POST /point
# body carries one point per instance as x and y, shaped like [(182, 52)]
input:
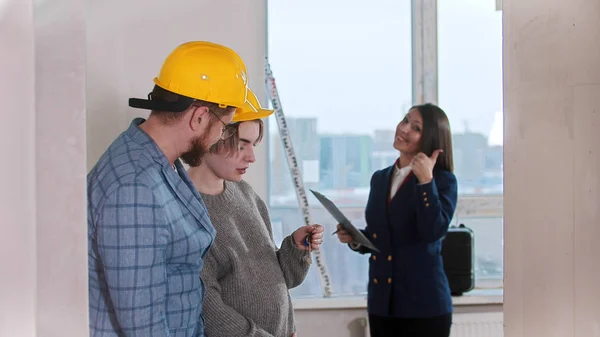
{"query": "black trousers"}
[(410, 327)]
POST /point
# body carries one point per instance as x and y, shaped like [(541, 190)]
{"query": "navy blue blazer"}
[(407, 279)]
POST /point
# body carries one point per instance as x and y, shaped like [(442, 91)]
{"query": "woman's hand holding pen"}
[(343, 235), (422, 166)]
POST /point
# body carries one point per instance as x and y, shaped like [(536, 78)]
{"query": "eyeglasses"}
[(227, 131)]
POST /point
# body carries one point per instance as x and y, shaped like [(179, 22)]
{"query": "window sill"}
[(472, 298)]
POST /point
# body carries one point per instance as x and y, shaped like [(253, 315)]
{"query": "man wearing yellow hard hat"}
[(148, 228)]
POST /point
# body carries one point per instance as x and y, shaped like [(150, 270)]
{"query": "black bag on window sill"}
[(458, 254)]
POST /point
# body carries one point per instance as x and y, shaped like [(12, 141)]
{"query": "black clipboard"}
[(357, 235)]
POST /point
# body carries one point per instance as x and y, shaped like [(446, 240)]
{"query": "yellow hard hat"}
[(200, 70), (251, 110)]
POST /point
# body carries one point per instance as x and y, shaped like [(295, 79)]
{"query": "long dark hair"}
[(436, 135)]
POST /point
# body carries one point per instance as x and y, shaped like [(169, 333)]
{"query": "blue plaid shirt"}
[(148, 231)]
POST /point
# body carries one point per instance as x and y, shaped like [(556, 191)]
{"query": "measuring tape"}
[(296, 175)]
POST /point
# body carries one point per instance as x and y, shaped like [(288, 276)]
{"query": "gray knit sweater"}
[(246, 277)]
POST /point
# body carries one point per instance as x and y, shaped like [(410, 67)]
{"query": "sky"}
[(348, 62)]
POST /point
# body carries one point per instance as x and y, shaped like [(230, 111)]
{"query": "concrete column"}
[(552, 168), (17, 172), (43, 241)]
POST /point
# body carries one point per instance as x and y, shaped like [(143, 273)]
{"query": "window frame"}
[(424, 89)]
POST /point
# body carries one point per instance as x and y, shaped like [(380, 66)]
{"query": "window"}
[(470, 91), (343, 71), (344, 75)]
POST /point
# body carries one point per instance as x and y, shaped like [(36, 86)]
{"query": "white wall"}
[(551, 168), (17, 195), (127, 42), (337, 322), (60, 161), (43, 244), (341, 317)]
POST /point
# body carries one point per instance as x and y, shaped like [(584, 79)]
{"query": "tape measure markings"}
[(286, 141)]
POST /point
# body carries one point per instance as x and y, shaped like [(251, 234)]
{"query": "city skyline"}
[(345, 162), (494, 135)]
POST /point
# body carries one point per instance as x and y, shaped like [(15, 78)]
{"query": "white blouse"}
[(398, 177)]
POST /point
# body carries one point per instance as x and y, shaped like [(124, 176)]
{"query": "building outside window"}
[(344, 74)]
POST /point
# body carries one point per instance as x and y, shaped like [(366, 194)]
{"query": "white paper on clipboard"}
[(357, 235)]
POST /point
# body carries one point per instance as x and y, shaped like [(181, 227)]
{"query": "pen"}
[(337, 230), (307, 240)]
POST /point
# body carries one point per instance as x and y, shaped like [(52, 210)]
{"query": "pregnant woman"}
[(247, 276)]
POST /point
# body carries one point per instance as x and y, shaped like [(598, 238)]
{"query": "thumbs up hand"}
[(422, 166)]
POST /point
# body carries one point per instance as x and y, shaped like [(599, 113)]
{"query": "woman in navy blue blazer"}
[(410, 206)]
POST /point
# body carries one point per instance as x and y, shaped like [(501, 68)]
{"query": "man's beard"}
[(198, 148)]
